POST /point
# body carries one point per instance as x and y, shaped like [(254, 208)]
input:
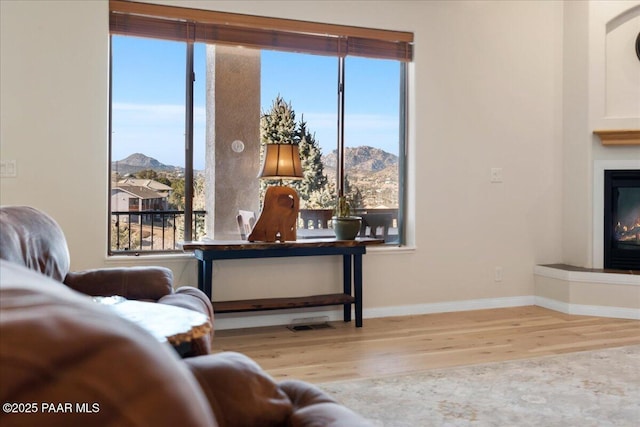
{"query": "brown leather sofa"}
[(67, 361), (34, 239)]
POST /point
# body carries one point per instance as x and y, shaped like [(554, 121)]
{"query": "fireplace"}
[(622, 219)]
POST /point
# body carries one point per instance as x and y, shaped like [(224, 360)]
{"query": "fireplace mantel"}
[(619, 137)]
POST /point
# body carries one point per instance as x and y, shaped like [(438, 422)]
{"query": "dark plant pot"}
[(346, 228)]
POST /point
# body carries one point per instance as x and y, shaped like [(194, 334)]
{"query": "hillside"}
[(138, 162), (373, 171), (362, 159)]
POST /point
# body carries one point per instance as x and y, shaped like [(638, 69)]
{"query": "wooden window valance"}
[(197, 25)]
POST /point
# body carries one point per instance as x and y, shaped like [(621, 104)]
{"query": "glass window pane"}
[(308, 85), (147, 143), (242, 99), (372, 143), (243, 85)]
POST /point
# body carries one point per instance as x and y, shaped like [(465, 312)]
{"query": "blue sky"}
[(148, 98)]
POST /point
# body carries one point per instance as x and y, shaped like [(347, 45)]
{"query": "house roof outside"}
[(149, 183), (143, 188), (140, 192)]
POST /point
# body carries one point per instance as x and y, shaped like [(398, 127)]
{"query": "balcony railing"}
[(378, 222), (155, 231), (152, 231)]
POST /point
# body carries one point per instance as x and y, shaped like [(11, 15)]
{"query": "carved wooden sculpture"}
[(279, 216)]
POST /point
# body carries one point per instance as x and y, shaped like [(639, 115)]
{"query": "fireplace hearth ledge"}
[(590, 292)]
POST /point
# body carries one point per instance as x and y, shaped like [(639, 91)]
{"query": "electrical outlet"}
[(498, 274), (8, 169), (496, 175)]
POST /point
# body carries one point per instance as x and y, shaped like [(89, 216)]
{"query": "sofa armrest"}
[(193, 299), (239, 391), (137, 283), (314, 407)]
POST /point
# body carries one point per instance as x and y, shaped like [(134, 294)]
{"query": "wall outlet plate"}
[(8, 169), (496, 175)]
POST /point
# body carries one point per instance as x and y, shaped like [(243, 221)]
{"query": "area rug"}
[(591, 388)]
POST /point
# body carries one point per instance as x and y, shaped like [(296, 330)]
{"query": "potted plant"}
[(345, 226)]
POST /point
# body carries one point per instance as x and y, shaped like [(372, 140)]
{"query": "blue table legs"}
[(357, 287), (205, 274), (346, 282), (351, 276)]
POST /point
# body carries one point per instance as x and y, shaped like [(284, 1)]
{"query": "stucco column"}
[(232, 137)]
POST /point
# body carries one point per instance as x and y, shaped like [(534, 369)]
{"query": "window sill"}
[(390, 249), (117, 260), (138, 259)]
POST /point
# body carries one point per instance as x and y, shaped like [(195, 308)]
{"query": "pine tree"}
[(353, 194), (324, 198), (278, 126), (311, 157)]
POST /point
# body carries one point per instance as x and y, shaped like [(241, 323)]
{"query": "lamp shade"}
[(281, 161)]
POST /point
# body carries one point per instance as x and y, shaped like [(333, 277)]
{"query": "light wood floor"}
[(395, 345)]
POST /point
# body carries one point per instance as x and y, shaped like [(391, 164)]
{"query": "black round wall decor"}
[(638, 46)]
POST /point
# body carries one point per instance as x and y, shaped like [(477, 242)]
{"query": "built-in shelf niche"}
[(619, 137)]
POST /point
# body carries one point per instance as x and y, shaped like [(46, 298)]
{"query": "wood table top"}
[(232, 245), (165, 322)]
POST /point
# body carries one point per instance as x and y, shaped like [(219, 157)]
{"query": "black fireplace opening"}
[(622, 219)]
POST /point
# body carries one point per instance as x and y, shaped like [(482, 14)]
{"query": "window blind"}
[(197, 25)]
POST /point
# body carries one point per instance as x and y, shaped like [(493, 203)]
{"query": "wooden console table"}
[(207, 251)]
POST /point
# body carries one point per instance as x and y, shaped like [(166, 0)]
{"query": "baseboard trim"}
[(449, 306), (287, 317), (588, 310)]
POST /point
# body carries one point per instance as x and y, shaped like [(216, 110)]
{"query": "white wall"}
[(576, 157), (486, 92)]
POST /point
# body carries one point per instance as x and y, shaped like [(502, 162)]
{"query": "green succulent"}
[(343, 209)]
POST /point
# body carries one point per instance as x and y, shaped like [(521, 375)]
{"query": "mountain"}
[(138, 162), (362, 159), (372, 170)]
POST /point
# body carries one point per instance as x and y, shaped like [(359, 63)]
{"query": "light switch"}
[(8, 169)]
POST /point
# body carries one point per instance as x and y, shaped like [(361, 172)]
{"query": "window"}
[(193, 94)]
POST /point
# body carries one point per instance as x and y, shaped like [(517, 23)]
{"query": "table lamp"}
[(279, 216)]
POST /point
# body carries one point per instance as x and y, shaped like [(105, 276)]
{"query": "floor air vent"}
[(310, 324)]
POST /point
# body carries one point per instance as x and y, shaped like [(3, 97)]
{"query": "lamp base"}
[(279, 216)]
